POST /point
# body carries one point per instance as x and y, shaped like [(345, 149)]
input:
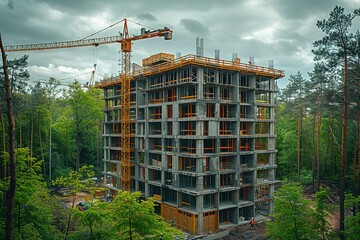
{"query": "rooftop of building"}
[(197, 61)]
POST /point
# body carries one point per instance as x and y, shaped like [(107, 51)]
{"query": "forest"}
[(58, 143)]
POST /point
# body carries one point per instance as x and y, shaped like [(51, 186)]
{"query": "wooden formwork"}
[(182, 220), (189, 221), (211, 221)]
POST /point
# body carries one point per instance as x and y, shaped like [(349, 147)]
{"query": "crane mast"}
[(126, 41), (125, 139)]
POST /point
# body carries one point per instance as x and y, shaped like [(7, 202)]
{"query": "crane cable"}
[(140, 24), (103, 29)]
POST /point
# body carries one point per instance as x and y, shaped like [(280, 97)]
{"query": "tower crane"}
[(126, 47)]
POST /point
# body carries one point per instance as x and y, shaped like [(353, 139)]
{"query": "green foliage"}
[(85, 114), (295, 218), (77, 180), (93, 222), (321, 214), (286, 143), (352, 229), (136, 219), (352, 223), (18, 74), (34, 206), (292, 214), (306, 176)]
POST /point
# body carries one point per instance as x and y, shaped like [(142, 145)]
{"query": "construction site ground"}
[(246, 232), (259, 231)]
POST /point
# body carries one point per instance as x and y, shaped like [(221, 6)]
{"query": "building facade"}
[(203, 139)]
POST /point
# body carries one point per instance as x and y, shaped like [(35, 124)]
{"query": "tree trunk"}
[(31, 137), (40, 144), (354, 169), (318, 140), (70, 216), (343, 152), (313, 152), (78, 148), (97, 148), (299, 143), (20, 130), (3, 139), (333, 155), (10, 194), (50, 150), (67, 145), (304, 145), (78, 141), (358, 193), (327, 154)]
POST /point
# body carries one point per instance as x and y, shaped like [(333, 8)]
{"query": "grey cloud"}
[(304, 8), (146, 16), (195, 26), (31, 21), (10, 4)]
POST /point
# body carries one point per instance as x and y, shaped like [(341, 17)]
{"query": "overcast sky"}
[(281, 30)]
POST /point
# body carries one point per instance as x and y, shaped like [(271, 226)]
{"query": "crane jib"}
[(166, 33), (66, 44)]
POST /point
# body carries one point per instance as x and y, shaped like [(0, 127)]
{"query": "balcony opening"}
[(209, 145), (188, 128), (227, 145), (187, 110), (209, 182), (210, 110), (187, 146), (187, 164)]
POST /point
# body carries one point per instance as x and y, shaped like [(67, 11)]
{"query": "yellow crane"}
[(126, 47)]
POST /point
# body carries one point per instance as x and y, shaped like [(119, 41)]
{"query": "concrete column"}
[(271, 98), (236, 91), (272, 113), (175, 162), (176, 180), (199, 210), (236, 210), (164, 112), (137, 176), (199, 128), (200, 80), (199, 183), (162, 176), (199, 146), (176, 110), (252, 81), (271, 143), (217, 181), (272, 128), (272, 84), (272, 157), (147, 188), (271, 195), (201, 109), (217, 107)]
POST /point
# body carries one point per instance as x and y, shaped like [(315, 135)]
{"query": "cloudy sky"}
[(281, 30)]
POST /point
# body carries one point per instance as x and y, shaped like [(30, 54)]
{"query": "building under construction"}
[(202, 138)]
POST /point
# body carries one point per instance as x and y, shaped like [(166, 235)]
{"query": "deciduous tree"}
[(136, 219)]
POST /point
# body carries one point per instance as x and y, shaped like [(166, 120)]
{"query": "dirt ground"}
[(245, 232), (259, 232)]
